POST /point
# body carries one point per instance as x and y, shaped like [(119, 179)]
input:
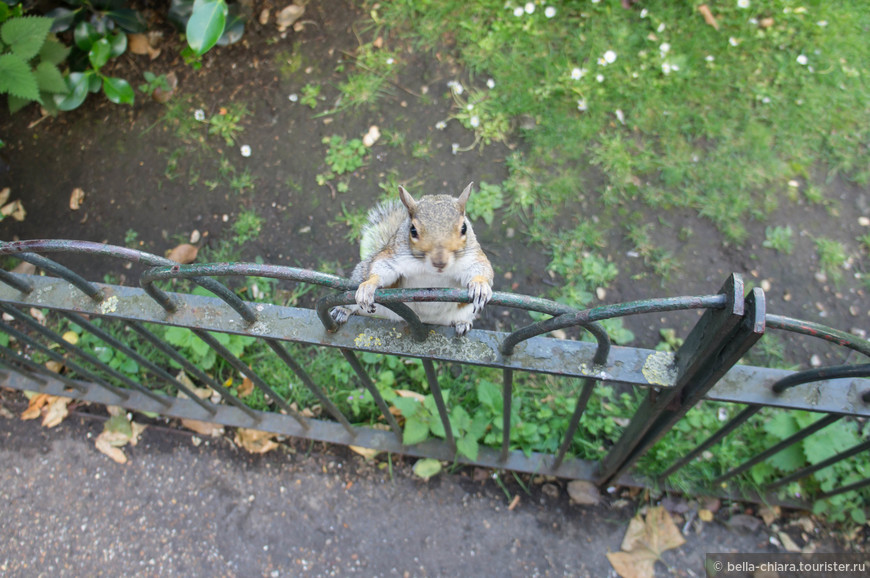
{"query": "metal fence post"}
[(715, 344)]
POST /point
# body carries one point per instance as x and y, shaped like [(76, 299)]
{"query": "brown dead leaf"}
[(184, 253), (770, 514), (644, 542), (705, 515), (110, 443), (246, 389), (34, 408), (412, 394), (76, 198), (288, 16), (255, 441), (56, 411), (708, 16), (118, 431), (55, 366), (584, 493), (15, 210), (203, 427), (4, 195), (788, 543), (368, 453), (25, 268)]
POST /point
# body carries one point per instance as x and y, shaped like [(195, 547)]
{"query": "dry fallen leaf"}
[(118, 431), (255, 441), (15, 210), (246, 389), (705, 515), (770, 514), (184, 253), (203, 427), (52, 408), (34, 408), (412, 394), (368, 453), (141, 44), (286, 17), (708, 16), (644, 543), (4, 195), (584, 493), (788, 543), (76, 198)]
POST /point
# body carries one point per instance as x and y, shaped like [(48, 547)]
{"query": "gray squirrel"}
[(421, 243)]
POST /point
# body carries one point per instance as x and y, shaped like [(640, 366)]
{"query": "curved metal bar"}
[(21, 248), (15, 282), (244, 270), (59, 270), (324, 304), (810, 375), (821, 331), (587, 316)]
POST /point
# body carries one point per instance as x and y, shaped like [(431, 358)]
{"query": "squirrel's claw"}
[(365, 297), (480, 294), (340, 314)]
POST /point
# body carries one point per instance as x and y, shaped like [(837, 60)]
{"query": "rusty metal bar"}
[(824, 332), (729, 427), (240, 366), (435, 388), (579, 408), (821, 373), (324, 304), (376, 395), (793, 439), (64, 273)]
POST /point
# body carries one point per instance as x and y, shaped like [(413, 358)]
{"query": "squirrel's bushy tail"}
[(385, 219)]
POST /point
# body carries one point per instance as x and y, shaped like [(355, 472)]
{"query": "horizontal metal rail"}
[(703, 369)]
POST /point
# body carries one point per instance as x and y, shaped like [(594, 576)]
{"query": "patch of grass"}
[(247, 227), (343, 155), (832, 256), (485, 202), (227, 122), (370, 81), (779, 239), (310, 94)]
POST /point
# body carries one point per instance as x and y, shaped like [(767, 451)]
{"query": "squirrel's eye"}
[(464, 229), (414, 231)]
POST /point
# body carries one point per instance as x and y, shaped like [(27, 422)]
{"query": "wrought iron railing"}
[(705, 367)]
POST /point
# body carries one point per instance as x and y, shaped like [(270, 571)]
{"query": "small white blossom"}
[(293, 97), (455, 87), (469, 107), (518, 11), (666, 68), (440, 125), (753, 21), (765, 100), (390, 60), (549, 11), (246, 151), (578, 73), (581, 105), (530, 7), (474, 121), (455, 147), (595, 1), (664, 48), (802, 59), (199, 114), (620, 116), (644, 13), (733, 41), (600, 78), (610, 57), (743, 3), (822, 23), (490, 83), (661, 28), (709, 58)]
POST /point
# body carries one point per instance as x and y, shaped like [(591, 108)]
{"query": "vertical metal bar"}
[(75, 366), (239, 366), (367, 383), (432, 378), (138, 358), (804, 472), (507, 399), (579, 408), (14, 359), (715, 344), (303, 376), (729, 427), (793, 439)]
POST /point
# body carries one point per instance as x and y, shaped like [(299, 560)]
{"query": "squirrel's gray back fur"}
[(384, 221)]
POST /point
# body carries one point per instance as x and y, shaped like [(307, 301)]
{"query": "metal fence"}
[(705, 367)]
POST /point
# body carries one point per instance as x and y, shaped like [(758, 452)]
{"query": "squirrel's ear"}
[(407, 199), (463, 198)]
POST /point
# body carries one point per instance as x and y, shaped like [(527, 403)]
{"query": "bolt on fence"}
[(704, 367)]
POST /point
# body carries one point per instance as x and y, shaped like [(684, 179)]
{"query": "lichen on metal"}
[(658, 369)]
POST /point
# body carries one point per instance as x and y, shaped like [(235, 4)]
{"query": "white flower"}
[(765, 99), (549, 11), (440, 125), (664, 48), (455, 147), (518, 12), (474, 121), (644, 13), (661, 28), (610, 57), (709, 58), (578, 73), (530, 7), (456, 87), (600, 78), (620, 116), (490, 83), (733, 41), (199, 114), (595, 1), (666, 68), (390, 60), (802, 59), (469, 107), (822, 23), (581, 105), (246, 151), (743, 3), (293, 97)]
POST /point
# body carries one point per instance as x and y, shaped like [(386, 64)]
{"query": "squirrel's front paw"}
[(365, 296), (340, 314), (480, 293), (462, 327)]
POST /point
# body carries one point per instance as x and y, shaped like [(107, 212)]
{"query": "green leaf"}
[(834, 439), (789, 459), (781, 425), (25, 36), (206, 25), (53, 51), (178, 336), (100, 52), (467, 446), (427, 468), (118, 42), (49, 78), (489, 395), (61, 18), (416, 431), (128, 20), (17, 79), (85, 35), (408, 406)]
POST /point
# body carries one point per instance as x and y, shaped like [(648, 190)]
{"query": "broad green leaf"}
[(206, 25), (789, 459), (100, 52), (178, 336), (85, 35), (53, 51), (118, 42), (467, 446), (834, 439), (408, 406), (416, 431), (25, 36), (61, 18), (49, 78), (427, 468), (781, 425), (17, 79), (489, 395), (128, 20)]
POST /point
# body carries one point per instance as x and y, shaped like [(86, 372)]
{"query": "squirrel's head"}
[(439, 228)]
